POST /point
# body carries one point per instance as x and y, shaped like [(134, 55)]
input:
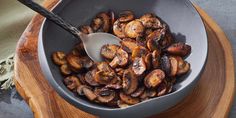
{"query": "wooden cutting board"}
[(212, 97)]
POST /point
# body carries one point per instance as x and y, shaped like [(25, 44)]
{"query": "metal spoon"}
[(92, 42)]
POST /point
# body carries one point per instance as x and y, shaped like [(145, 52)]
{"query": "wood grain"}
[(212, 97)]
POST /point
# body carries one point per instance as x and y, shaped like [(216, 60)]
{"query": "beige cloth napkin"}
[(14, 18)]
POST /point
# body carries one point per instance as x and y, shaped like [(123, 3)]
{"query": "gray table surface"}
[(222, 11)]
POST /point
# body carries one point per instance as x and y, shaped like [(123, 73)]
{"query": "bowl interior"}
[(183, 20)]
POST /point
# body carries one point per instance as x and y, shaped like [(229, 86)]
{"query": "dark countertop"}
[(222, 11)]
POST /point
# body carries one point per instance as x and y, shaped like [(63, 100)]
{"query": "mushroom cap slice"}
[(165, 64), (90, 78), (105, 77), (138, 92), (89, 93), (121, 59), (134, 29), (148, 61), (59, 58), (162, 89), (126, 16), (96, 24), (128, 44), (122, 104), (130, 82), (106, 22), (155, 59), (74, 62), (119, 29), (150, 21), (128, 99), (153, 40), (183, 66), (105, 95), (180, 49), (86, 62), (139, 66), (103, 66), (108, 51), (80, 88), (174, 66), (139, 51), (72, 82), (154, 78), (65, 70)]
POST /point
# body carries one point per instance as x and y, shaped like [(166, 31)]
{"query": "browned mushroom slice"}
[(144, 96), (165, 64), (183, 66), (139, 66), (106, 21), (174, 66), (169, 87), (148, 61), (81, 78), (90, 78), (128, 99), (153, 40), (108, 51), (150, 21), (167, 40), (105, 77), (122, 104), (89, 94), (126, 16), (162, 89), (134, 29), (97, 24), (138, 92), (121, 59), (154, 78), (139, 51), (117, 85), (119, 29), (72, 82), (128, 44), (65, 70), (80, 88), (119, 71), (105, 95), (59, 58), (86, 62), (74, 62), (103, 66), (180, 49), (151, 93), (130, 82), (86, 29), (155, 59)]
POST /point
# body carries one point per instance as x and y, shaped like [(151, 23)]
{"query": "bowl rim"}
[(69, 98)]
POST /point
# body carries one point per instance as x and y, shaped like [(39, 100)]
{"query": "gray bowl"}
[(185, 24)]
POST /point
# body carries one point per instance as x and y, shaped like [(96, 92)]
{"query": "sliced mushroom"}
[(162, 89), (168, 38), (183, 66), (89, 94), (139, 51), (139, 66), (174, 66), (90, 78), (126, 16), (180, 49), (74, 62), (105, 77), (119, 71), (80, 89), (148, 61), (150, 21), (119, 29), (59, 58), (81, 79), (121, 59), (103, 66), (105, 95), (122, 104), (112, 17), (65, 70), (151, 93), (128, 44), (86, 62), (72, 82), (165, 64), (117, 85), (106, 21), (138, 92), (97, 24), (154, 78), (86, 29), (153, 40), (144, 96), (128, 99), (130, 82), (134, 29), (108, 51), (155, 59)]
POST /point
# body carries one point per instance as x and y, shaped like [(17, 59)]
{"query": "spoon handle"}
[(51, 16)]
